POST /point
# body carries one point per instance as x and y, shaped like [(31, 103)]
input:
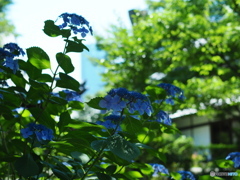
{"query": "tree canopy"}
[(192, 44), (6, 27)]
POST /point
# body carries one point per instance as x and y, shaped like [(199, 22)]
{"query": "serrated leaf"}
[(98, 145), (31, 70), (76, 105), (26, 166), (68, 82), (64, 120), (122, 148), (43, 117), (222, 163), (38, 58), (94, 103), (18, 80), (61, 174), (102, 176), (75, 46), (133, 125), (83, 158), (51, 29), (65, 62), (44, 78)]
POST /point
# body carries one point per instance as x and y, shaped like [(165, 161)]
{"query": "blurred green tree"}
[(192, 44), (7, 27)]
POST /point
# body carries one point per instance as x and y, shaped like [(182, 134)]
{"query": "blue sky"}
[(28, 16)]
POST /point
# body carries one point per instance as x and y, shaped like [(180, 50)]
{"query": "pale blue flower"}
[(163, 117), (159, 168), (235, 157), (39, 131), (77, 23)]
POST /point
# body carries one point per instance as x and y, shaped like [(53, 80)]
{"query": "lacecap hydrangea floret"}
[(7, 55), (235, 157), (172, 92), (159, 168), (120, 98), (77, 24), (38, 131)]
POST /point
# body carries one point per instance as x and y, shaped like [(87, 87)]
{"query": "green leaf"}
[(98, 145), (122, 148), (26, 166), (222, 163), (94, 103), (18, 80), (65, 62), (83, 158), (155, 92), (68, 82), (85, 126), (64, 120), (61, 174), (102, 176), (111, 169), (208, 177), (51, 29), (132, 125), (43, 117), (43, 87), (176, 176), (76, 105), (44, 78), (75, 46), (31, 70), (38, 58)]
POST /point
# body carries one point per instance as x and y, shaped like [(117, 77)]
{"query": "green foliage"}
[(41, 138), (7, 28), (187, 43)]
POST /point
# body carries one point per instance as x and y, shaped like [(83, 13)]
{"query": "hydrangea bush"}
[(40, 139)]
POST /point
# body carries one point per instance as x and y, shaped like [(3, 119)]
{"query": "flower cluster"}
[(186, 175), (120, 98), (111, 122), (172, 92), (69, 95), (39, 131), (158, 168), (7, 55), (235, 157), (76, 23), (163, 117)]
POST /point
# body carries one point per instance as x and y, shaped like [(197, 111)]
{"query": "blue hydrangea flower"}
[(12, 64), (8, 53), (159, 168), (14, 49), (163, 117), (120, 98), (172, 92), (235, 157), (112, 102), (69, 95), (76, 23), (114, 118), (186, 175), (112, 122), (38, 131), (109, 125), (72, 95)]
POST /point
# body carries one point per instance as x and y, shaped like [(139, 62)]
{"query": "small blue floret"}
[(38, 131)]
